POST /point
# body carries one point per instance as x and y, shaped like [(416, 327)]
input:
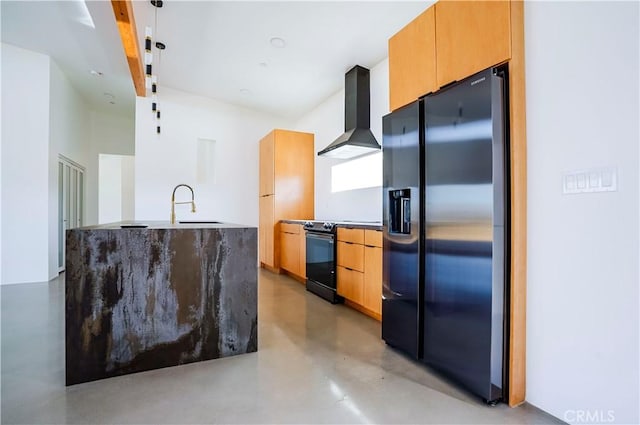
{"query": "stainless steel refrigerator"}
[(445, 231), (402, 158)]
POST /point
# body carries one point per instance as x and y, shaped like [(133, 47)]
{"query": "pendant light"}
[(151, 79)]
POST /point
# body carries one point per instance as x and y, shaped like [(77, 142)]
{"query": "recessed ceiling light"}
[(277, 42), (95, 73), (245, 91)]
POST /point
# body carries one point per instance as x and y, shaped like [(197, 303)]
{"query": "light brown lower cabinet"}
[(372, 298), (359, 260), (351, 284), (289, 252), (293, 250), (351, 255)]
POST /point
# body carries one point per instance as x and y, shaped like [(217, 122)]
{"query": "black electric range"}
[(321, 259)]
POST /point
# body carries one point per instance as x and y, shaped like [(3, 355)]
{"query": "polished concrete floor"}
[(316, 363)]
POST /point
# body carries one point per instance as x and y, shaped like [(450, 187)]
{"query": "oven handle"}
[(323, 236)]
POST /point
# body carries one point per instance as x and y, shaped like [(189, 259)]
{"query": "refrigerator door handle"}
[(499, 174), (498, 148)]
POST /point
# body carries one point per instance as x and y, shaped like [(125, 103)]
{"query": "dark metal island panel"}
[(168, 294)]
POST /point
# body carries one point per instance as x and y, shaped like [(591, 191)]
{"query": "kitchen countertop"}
[(159, 224), (370, 225), (295, 221)]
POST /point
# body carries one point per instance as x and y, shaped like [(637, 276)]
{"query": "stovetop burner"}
[(320, 226)]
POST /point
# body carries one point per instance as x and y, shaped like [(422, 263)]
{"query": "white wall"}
[(327, 123), (115, 188), (44, 116), (109, 188), (110, 134), (582, 301), (165, 160), (127, 189), (25, 165), (1, 187), (69, 135), (113, 133)]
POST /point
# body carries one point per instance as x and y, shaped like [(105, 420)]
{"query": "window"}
[(358, 173)]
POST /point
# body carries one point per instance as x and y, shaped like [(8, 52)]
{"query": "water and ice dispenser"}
[(400, 211)]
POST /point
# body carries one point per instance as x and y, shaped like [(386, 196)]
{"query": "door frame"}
[(71, 201)]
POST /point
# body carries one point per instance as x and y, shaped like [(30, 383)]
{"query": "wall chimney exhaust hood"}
[(357, 138)]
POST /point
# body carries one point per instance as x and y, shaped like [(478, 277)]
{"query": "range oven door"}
[(321, 252)]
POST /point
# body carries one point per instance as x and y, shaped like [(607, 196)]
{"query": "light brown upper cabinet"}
[(470, 36), (286, 187), (449, 41), (412, 61), (267, 162)]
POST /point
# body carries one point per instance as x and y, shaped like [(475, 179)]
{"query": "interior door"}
[(70, 202)]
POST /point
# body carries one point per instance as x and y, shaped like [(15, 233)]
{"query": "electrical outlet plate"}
[(590, 180)]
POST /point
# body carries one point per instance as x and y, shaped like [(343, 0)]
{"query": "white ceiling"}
[(63, 30), (216, 49)]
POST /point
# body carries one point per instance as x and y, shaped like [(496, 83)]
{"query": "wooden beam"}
[(123, 10), (517, 103)]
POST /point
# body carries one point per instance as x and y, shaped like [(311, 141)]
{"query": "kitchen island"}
[(143, 296)]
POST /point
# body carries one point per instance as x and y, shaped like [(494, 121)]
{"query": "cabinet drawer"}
[(351, 256), (346, 234), (290, 228), (350, 284), (373, 238)]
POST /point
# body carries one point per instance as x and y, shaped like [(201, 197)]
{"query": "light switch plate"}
[(591, 180)]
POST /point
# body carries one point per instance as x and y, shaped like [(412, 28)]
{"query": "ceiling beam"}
[(123, 10)]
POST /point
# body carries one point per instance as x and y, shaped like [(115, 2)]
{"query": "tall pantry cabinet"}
[(286, 188)]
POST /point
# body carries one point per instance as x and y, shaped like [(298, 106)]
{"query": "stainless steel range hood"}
[(357, 138)]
